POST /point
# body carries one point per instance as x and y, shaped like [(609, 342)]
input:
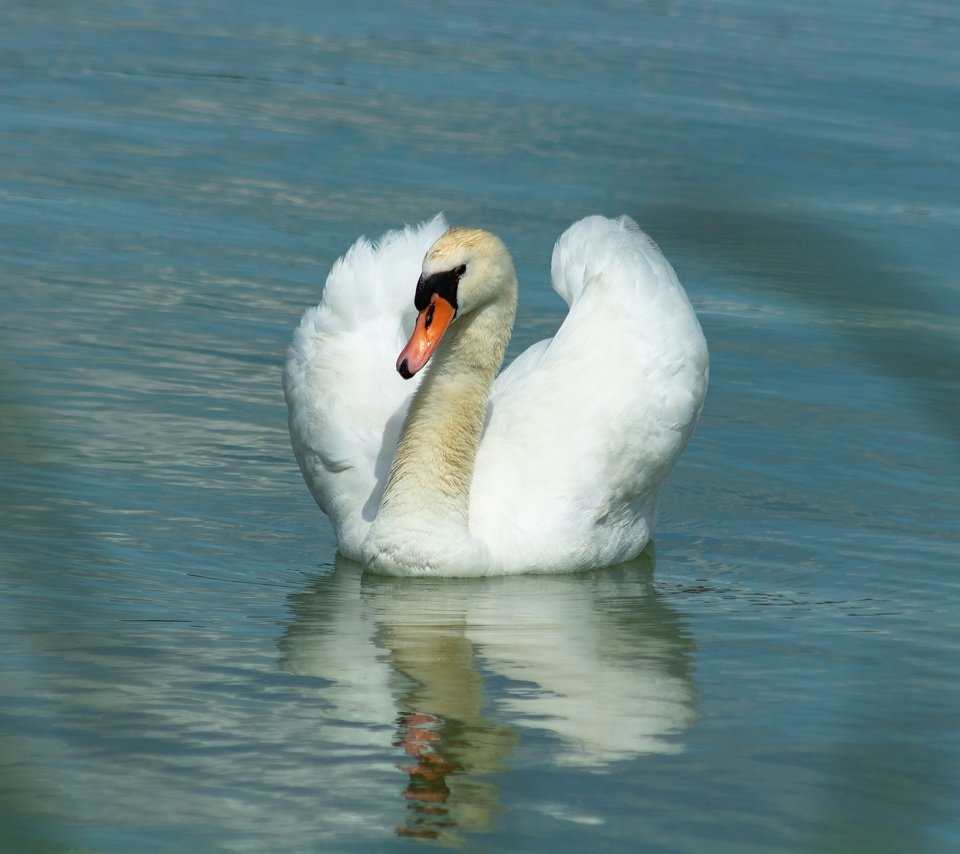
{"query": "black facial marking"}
[(442, 284)]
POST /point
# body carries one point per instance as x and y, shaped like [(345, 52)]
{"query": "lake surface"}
[(185, 664)]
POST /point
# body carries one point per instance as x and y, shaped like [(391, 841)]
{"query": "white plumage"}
[(574, 438)]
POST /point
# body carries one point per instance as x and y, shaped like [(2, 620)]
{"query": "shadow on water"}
[(595, 667), (39, 543), (896, 320), (901, 325), (899, 784)]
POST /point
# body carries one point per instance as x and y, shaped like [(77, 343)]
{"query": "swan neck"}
[(433, 465)]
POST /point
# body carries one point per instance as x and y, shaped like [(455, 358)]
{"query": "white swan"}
[(554, 465)]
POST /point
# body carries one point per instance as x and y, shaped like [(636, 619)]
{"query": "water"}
[(185, 665)]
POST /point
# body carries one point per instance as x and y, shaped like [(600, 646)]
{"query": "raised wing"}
[(346, 402), (583, 428)]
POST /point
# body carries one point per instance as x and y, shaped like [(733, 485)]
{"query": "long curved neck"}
[(433, 464), (426, 503)]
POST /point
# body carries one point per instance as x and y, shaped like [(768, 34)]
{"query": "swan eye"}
[(428, 319), (459, 271)]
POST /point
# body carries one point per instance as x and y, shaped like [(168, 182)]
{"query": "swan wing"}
[(583, 428), (345, 400)]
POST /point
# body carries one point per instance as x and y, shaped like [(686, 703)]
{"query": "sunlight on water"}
[(186, 663)]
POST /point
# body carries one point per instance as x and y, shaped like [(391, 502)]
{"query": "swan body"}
[(447, 468)]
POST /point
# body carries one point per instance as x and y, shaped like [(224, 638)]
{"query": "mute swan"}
[(554, 465)]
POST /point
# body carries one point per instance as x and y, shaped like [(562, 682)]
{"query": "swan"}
[(555, 464)]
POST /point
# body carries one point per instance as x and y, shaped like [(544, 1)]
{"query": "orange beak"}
[(432, 322)]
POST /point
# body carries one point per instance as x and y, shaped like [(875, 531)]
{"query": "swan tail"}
[(598, 246)]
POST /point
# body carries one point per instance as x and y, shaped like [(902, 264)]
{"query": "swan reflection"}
[(450, 676)]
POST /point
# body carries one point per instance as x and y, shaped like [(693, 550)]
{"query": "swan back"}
[(583, 428)]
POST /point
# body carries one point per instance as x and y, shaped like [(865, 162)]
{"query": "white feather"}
[(346, 401), (581, 430), (581, 434)]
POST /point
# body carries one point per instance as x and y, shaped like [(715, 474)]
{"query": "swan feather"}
[(580, 430)]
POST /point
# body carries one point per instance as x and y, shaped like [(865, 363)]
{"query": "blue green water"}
[(184, 664)]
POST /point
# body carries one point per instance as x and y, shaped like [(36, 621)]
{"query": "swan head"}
[(465, 270)]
